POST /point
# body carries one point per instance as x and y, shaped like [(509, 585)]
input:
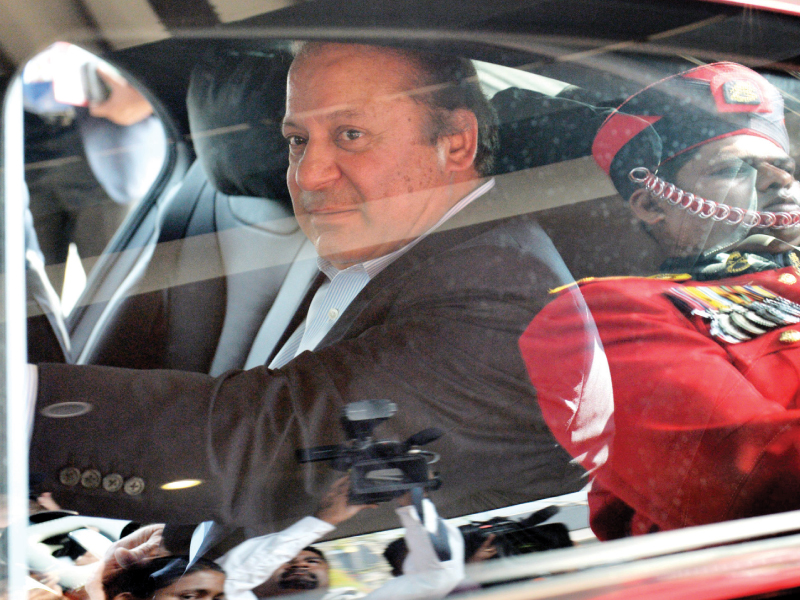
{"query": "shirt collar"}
[(375, 265)]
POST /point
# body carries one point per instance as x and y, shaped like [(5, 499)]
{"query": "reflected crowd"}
[(427, 562)]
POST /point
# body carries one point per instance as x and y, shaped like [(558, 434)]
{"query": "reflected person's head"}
[(168, 578), (715, 131), (395, 554), (382, 142), (306, 572)]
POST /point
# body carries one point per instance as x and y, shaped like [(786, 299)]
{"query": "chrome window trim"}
[(15, 405)]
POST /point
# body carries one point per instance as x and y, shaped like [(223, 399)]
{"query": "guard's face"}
[(201, 585), (363, 177), (744, 171)]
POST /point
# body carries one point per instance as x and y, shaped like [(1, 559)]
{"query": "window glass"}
[(93, 148), (555, 289)]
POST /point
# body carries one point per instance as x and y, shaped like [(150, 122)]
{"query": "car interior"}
[(208, 269)]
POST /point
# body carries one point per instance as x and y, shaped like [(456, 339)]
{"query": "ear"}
[(459, 146), (646, 208)]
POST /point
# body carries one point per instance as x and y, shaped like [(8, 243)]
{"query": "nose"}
[(316, 168), (771, 177), (299, 563)]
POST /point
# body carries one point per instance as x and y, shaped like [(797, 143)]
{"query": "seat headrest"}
[(538, 130), (236, 102)]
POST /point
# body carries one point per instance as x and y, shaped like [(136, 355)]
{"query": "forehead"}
[(306, 554), (207, 580), (739, 146), (337, 78), (749, 148)]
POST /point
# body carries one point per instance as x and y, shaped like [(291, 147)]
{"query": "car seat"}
[(228, 245), (545, 154)]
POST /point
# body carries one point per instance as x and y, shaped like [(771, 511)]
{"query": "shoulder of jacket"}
[(678, 277)]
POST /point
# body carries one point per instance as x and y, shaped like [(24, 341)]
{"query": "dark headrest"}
[(538, 130), (236, 102)]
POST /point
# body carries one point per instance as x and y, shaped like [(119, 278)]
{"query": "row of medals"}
[(738, 312)]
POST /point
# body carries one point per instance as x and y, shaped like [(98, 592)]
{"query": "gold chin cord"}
[(708, 209)]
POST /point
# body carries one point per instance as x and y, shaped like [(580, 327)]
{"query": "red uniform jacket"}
[(703, 430)]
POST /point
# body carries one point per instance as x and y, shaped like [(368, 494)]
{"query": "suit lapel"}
[(299, 315)]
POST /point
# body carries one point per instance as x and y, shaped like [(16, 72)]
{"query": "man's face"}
[(363, 175), (306, 571), (744, 171)]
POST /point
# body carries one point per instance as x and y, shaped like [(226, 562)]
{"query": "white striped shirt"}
[(333, 297)]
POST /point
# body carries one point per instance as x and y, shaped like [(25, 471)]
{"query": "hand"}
[(43, 594), (125, 105), (141, 545), (485, 551), (48, 580), (334, 507), (45, 500)]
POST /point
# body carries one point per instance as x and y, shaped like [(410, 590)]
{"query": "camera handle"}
[(439, 539)]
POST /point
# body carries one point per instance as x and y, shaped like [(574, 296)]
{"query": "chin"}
[(790, 235), (300, 585)]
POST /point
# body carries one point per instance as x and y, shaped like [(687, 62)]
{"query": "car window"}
[(535, 265), (93, 149)]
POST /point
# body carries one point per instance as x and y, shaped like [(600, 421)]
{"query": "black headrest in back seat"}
[(236, 102), (538, 130)]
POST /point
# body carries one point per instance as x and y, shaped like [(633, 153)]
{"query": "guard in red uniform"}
[(704, 422)]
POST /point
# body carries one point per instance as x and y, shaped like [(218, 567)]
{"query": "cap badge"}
[(741, 92)]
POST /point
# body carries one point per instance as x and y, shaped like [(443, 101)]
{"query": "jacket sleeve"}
[(699, 435), (438, 339)]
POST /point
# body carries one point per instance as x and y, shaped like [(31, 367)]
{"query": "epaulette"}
[(661, 276)]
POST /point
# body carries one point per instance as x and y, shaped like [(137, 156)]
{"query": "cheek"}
[(322, 576), (290, 178), (739, 194), (687, 227)]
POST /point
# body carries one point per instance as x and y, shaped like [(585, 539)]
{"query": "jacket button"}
[(791, 336), (91, 479), (787, 279), (134, 486), (69, 476), (112, 483)]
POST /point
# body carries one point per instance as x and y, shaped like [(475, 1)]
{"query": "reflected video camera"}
[(513, 537), (379, 469)]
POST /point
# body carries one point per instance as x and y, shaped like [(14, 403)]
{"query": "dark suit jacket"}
[(436, 332)]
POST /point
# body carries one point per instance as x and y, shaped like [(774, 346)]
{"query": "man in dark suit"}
[(428, 293)]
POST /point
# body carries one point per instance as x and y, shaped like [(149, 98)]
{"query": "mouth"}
[(777, 207), (329, 213), (788, 201), (298, 580)]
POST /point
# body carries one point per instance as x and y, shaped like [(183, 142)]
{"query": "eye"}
[(296, 143), (732, 170), (787, 166), (351, 135), (727, 172)]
